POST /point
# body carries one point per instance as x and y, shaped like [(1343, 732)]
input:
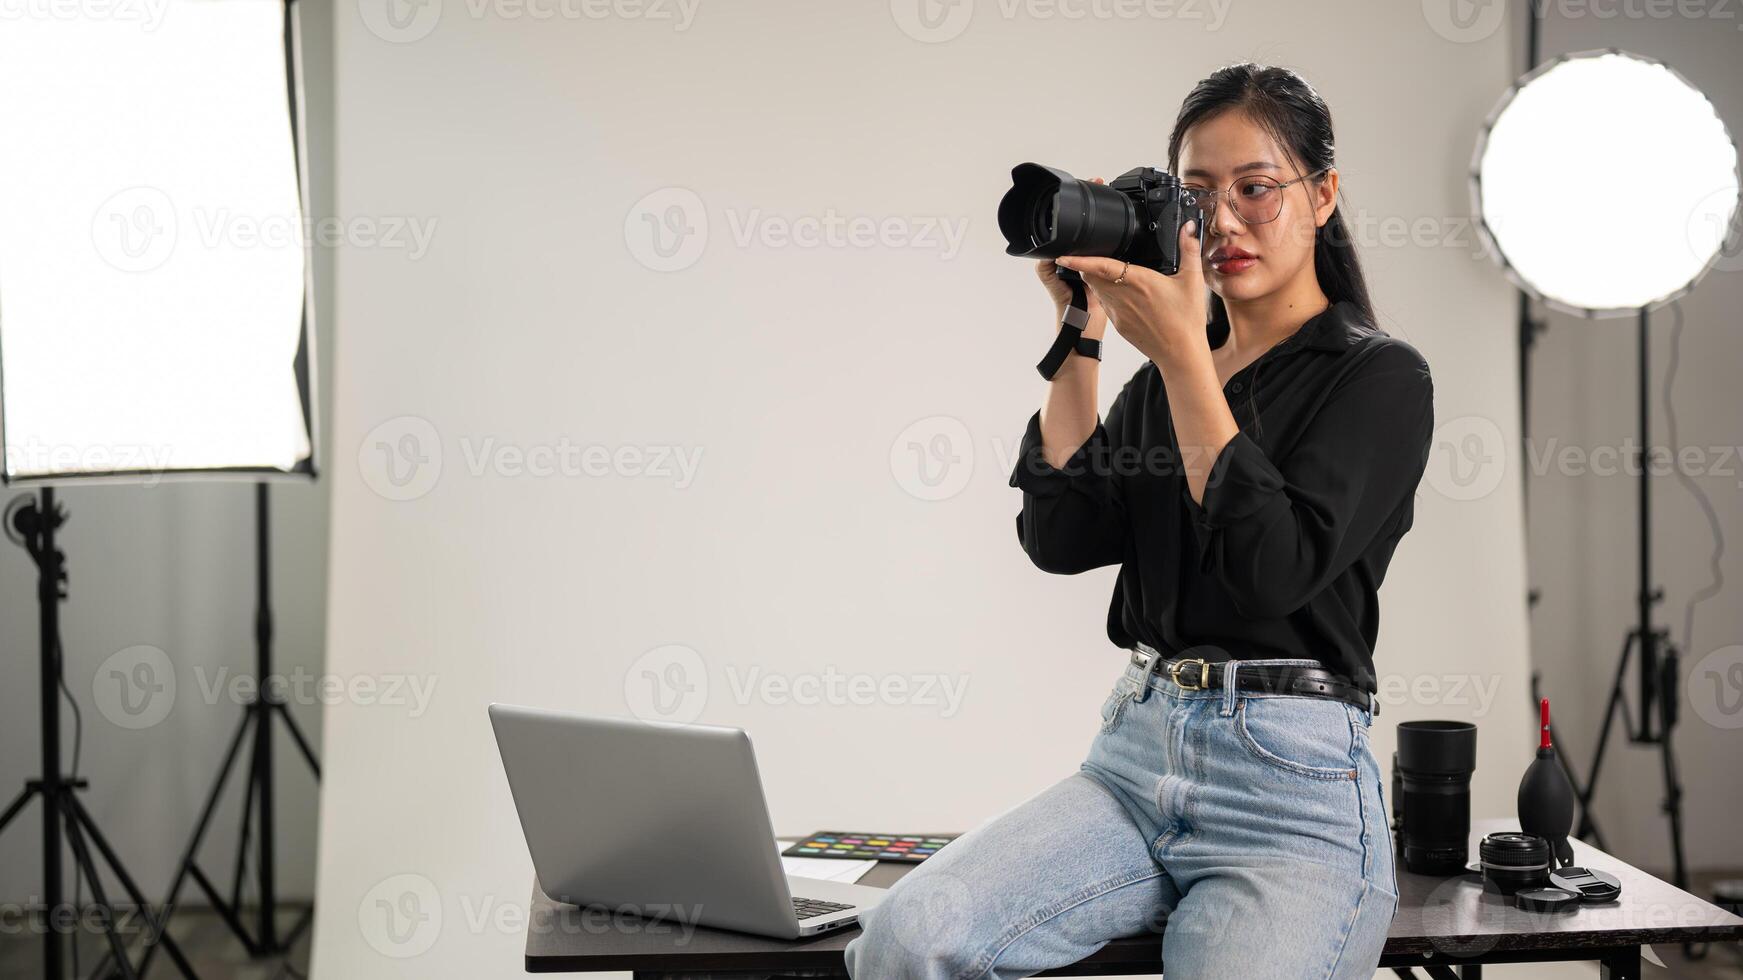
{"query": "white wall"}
[(535, 321), (1583, 523), (172, 566)]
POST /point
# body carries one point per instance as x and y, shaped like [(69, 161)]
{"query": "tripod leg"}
[(1587, 828), (297, 735), (187, 862), (1673, 807), (261, 717), (224, 911), (86, 821), (266, 860), (295, 932), (82, 857), (17, 805)]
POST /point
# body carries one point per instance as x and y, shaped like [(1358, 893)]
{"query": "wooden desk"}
[(1444, 927)]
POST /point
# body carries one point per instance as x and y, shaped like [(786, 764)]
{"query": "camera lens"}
[(1512, 862), (1048, 213), (1435, 762), (1044, 221)]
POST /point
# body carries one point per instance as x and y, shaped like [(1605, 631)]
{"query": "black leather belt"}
[(1198, 674)]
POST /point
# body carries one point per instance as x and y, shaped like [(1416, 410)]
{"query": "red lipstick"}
[(1229, 260)]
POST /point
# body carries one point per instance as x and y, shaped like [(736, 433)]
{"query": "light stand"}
[(257, 803), (1659, 659), (228, 391), (1617, 111), (1529, 329), (36, 523)]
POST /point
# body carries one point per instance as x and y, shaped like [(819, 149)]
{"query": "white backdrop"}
[(700, 395)]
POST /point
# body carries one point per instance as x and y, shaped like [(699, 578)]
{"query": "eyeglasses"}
[(1255, 199)]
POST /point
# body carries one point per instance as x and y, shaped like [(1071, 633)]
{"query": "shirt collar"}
[(1336, 328)]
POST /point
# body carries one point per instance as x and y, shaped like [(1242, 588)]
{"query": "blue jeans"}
[(1250, 829)]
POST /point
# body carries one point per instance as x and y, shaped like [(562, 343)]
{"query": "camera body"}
[(1048, 213)]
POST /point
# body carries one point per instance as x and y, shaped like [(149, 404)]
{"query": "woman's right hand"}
[(1061, 294)]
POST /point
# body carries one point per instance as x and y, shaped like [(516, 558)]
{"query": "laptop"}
[(659, 819)]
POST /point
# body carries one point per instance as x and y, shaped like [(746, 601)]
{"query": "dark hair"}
[(1285, 105)]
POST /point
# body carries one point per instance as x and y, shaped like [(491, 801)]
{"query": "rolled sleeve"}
[(1242, 481), (1035, 476), (1071, 520), (1276, 532)]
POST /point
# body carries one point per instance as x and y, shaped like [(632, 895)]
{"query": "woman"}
[(1252, 480)]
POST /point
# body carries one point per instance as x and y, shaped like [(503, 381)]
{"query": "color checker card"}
[(883, 847)]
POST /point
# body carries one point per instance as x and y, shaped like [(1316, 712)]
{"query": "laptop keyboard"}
[(806, 908)]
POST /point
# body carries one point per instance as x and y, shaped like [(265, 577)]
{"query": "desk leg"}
[(1620, 964), (1470, 971)]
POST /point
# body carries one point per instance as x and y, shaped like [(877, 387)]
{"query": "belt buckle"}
[(1203, 676)]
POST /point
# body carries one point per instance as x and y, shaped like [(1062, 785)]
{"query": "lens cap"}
[(1546, 899), (1591, 886)]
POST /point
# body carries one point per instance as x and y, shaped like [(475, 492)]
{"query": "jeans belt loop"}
[(1143, 682), (1229, 668)]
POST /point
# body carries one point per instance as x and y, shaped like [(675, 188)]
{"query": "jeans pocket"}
[(1301, 735), (1113, 710)]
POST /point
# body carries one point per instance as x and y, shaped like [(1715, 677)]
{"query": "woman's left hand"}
[(1159, 315)]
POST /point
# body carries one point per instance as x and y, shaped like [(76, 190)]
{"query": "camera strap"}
[(1070, 337)]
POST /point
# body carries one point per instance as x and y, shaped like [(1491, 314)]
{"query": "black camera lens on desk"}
[(1514, 862), (1432, 794)]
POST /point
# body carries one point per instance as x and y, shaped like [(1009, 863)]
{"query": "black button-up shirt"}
[(1302, 509)]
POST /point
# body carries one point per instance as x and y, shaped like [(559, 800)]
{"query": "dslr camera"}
[(1048, 213)]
